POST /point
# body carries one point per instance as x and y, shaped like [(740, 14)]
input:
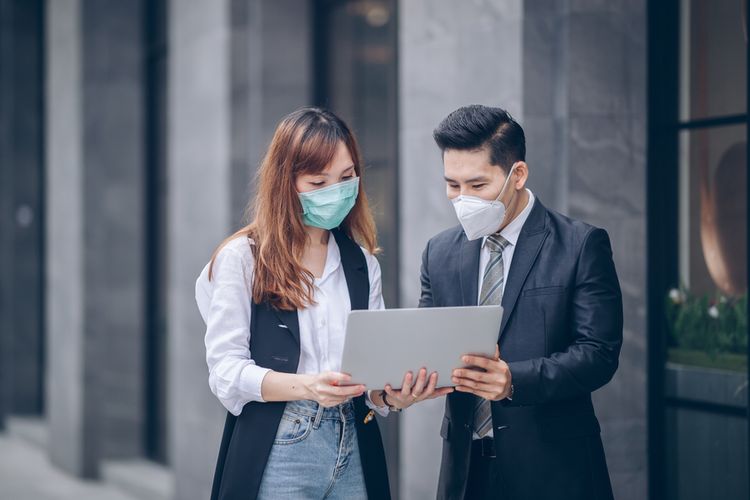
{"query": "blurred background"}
[(129, 134)]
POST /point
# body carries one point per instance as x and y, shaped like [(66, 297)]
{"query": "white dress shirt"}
[(224, 303), (510, 233)]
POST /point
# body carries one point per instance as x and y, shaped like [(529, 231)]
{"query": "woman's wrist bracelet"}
[(390, 407)]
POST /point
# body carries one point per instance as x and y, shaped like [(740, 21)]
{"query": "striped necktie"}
[(492, 294)]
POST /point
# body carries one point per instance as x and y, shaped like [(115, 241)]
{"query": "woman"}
[(275, 298)]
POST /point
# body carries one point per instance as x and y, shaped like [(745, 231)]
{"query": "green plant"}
[(714, 324)]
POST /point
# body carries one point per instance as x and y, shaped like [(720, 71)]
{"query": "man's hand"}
[(488, 378)]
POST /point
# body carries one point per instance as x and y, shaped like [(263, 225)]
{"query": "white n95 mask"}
[(478, 216)]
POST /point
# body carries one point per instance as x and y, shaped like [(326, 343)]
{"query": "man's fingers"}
[(479, 361), (486, 377), (497, 352), (480, 386)]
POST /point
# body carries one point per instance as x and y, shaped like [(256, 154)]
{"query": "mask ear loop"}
[(505, 184)]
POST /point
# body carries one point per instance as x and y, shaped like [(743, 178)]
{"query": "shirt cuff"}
[(251, 382), (383, 411)]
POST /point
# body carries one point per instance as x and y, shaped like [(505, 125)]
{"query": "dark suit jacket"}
[(560, 334)]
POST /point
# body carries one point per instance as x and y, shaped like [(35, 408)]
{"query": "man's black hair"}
[(476, 127)]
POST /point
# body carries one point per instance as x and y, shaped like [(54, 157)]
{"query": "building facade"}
[(130, 132)]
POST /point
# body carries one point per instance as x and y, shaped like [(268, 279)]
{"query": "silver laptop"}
[(381, 346)]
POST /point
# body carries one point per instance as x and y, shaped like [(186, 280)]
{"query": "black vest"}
[(248, 438)]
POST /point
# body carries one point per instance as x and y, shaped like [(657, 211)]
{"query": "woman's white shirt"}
[(224, 303)]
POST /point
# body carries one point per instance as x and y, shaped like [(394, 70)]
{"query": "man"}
[(521, 425)]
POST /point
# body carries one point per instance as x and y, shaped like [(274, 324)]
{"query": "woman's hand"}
[(330, 389), (412, 391)]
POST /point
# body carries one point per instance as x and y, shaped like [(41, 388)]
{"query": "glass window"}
[(707, 312), (712, 60)]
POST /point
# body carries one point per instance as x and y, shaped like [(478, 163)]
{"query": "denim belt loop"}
[(318, 417)]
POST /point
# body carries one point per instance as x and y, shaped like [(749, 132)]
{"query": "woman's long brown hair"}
[(305, 142)]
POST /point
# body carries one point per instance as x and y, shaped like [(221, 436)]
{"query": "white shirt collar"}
[(513, 230), (333, 259)]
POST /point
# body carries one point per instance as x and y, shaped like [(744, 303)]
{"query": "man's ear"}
[(520, 175)]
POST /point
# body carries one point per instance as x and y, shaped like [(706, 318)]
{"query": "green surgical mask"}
[(327, 208)]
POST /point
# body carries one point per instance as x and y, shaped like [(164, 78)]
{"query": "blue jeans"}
[(315, 455)]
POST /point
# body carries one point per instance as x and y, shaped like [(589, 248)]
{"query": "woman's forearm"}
[(279, 386)]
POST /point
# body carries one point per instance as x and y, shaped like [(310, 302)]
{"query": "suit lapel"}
[(469, 271), (529, 243)]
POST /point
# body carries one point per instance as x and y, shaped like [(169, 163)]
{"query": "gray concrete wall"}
[(606, 137), (236, 68), (94, 232), (450, 54)]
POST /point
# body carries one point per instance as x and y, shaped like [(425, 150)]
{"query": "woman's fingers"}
[(419, 384), (344, 391), (335, 378), (406, 385), (441, 392), (431, 384)]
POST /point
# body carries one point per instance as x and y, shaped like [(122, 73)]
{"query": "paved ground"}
[(27, 474)]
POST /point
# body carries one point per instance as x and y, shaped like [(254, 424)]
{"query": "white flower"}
[(676, 296), (713, 311)]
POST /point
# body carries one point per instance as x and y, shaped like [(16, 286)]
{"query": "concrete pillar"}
[(450, 54), (95, 232), (235, 68)]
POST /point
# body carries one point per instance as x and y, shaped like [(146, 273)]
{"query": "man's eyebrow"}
[(481, 178)]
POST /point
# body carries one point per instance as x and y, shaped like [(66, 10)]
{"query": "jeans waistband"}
[(344, 411)]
